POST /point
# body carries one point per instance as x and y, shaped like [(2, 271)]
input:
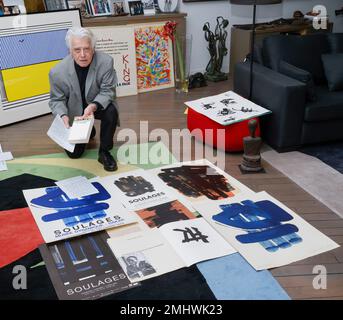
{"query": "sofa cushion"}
[(303, 52), (333, 66), (302, 75), (328, 106), (335, 42)]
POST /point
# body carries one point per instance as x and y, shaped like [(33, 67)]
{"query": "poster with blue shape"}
[(59, 217), (264, 231)]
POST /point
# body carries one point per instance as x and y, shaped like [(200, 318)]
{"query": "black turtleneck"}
[(82, 76)]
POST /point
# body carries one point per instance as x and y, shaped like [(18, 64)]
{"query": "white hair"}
[(79, 32)]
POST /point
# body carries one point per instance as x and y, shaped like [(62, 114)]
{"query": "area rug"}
[(317, 178), (330, 153), (239, 281), (58, 166)]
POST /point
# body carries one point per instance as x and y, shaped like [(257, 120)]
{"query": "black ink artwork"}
[(196, 181), (225, 112), (228, 101), (164, 213), (207, 106), (194, 235), (230, 119), (245, 110), (134, 186)]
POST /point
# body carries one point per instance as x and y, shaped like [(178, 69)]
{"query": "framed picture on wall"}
[(100, 7), (118, 8), (168, 5), (9, 10), (148, 7), (136, 8), (27, 57), (74, 4), (55, 5), (13, 7)]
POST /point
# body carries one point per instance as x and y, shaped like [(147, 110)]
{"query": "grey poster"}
[(84, 268)]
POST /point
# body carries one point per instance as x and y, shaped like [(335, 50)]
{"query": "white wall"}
[(198, 13)]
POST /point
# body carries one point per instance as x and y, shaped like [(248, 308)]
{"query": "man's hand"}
[(66, 121), (89, 111)]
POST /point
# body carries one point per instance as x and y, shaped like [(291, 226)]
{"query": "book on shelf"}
[(81, 129)]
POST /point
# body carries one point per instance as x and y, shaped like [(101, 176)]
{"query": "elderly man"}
[(83, 84)]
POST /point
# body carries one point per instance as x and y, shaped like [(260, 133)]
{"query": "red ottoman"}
[(234, 133)]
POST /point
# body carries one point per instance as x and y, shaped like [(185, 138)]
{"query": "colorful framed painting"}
[(154, 58)]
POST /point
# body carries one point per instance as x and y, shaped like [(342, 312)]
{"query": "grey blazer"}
[(65, 93)]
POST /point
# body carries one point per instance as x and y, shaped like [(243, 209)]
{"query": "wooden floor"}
[(165, 109)]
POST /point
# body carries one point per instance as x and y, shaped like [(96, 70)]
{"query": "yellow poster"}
[(29, 81)]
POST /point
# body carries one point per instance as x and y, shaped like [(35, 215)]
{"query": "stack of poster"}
[(78, 259), (227, 108), (263, 230), (161, 220)]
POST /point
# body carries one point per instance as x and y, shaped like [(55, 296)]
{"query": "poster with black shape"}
[(161, 214), (59, 217), (137, 189), (199, 180), (84, 268), (195, 240)]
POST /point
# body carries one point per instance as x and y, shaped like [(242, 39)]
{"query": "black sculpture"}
[(251, 162), (217, 49)]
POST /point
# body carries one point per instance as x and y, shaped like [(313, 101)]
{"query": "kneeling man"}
[(83, 84)]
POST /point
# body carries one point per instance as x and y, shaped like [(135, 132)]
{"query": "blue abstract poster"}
[(59, 217), (263, 223), (264, 231)]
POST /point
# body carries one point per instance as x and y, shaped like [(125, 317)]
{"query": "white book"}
[(81, 130)]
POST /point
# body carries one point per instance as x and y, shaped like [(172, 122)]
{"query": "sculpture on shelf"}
[(251, 162), (217, 49)]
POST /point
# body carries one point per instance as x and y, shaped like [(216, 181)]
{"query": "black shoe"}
[(93, 133), (108, 161)]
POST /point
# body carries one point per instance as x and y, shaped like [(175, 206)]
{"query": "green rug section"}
[(58, 166)]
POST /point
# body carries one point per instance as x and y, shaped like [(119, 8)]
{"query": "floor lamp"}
[(254, 3)]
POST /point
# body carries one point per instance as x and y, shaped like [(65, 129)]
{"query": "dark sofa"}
[(303, 112)]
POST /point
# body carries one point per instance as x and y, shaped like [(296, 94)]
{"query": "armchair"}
[(294, 120)]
